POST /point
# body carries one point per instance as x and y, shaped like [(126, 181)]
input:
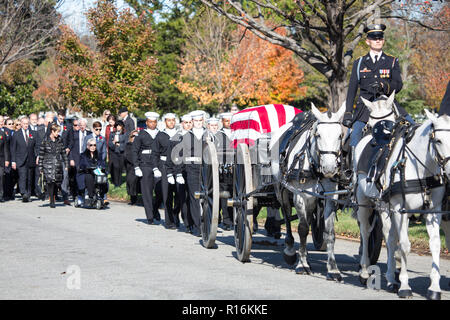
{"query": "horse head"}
[(381, 109), (439, 137), (328, 135)]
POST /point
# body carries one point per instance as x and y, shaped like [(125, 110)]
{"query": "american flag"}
[(249, 124)]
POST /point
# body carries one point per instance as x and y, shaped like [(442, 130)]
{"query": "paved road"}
[(117, 256)]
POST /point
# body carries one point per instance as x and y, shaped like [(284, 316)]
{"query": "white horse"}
[(321, 145), (419, 157)]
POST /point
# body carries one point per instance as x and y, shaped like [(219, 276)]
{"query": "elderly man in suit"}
[(129, 123), (23, 157)]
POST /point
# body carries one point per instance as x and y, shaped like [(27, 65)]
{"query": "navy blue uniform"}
[(366, 75)]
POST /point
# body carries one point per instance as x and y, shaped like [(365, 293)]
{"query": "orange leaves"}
[(252, 71)]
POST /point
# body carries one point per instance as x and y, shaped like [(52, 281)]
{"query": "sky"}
[(73, 13)]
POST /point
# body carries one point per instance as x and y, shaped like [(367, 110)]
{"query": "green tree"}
[(120, 73), (16, 90)]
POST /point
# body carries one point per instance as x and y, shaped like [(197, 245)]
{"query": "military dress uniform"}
[(148, 147), (181, 199), (223, 144), (192, 145), (373, 79)]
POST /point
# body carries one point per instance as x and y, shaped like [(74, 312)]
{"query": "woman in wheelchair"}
[(92, 176)]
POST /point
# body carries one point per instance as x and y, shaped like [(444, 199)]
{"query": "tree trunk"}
[(338, 90)]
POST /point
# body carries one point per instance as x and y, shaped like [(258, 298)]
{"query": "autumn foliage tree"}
[(222, 66), (119, 72)]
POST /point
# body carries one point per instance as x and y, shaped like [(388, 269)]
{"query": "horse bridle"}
[(439, 159), (337, 154)]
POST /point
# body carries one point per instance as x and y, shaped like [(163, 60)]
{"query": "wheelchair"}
[(100, 189)]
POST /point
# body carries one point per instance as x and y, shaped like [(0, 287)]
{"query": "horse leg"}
[(363, 214), (391, 239), (289, 254), (329, 216), (401, 224), (433, 221), (445, 225), (303, 231)]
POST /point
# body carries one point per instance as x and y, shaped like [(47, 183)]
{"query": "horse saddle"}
[(376, 153)]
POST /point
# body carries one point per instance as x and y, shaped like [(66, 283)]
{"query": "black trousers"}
[(193, 185), (147, 181), (2, 188), (182, 202), (227, 212), (52, 188), (8, 186), (161, 196), (116, 168), (25, 179)]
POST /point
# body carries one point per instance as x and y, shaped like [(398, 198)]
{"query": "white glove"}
[(180, 179), (170, 179), (138, 172), (157, 173)]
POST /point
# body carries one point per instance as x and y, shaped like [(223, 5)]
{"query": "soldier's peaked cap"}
[(375, 31)]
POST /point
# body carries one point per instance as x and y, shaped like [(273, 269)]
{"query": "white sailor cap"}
[(151, 115), (212, 120), (169, 116), (226, 115), (186, 117), (197, 114)]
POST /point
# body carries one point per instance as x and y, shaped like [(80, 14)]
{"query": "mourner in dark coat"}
[(4, 160), (129, 123), (53, 161), (116, 150), (90, 160), (133, 185), (23, 157)]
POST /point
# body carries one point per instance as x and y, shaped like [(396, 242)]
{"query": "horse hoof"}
[(363, 280), (393, 288), (404, 294), (290, 260), (334, 277), (433, 295)]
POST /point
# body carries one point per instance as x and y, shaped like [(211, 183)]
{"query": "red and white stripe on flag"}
[(249, 124)]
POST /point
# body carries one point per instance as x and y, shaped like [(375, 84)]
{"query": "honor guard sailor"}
[(179, 172), (192, 158), (165, 188), (226, 123), (148, 148)]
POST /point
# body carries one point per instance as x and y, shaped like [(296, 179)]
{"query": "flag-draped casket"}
[(250, 124)]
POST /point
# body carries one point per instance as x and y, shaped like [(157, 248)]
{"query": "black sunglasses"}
[(98, 129), (92, 145)]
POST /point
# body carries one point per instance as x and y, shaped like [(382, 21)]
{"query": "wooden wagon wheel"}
[(243, 211), (209, 199), (318, 226)]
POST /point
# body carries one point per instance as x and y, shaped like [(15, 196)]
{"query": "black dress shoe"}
[(188, 229), (150, 221), (52, 205), (25, 198), (170, 226), (196, 232)]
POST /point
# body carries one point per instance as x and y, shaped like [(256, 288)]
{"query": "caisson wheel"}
[(209, 190), (243, 211)]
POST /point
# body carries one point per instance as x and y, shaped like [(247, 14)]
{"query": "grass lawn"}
[(345, 225)]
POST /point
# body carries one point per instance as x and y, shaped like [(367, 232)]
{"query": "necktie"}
[(376, 58), (26, 136)]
